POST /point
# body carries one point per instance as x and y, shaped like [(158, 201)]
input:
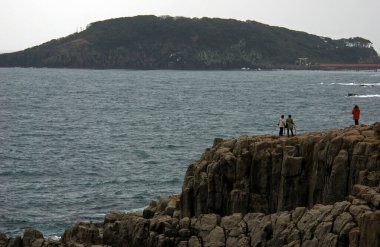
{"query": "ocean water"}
[(75, 144)]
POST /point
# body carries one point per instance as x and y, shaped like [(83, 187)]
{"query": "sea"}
[(76, 144)]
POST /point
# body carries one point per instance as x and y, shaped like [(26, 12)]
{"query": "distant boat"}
[(351, 94)]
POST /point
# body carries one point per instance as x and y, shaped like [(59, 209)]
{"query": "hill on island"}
[(150, 42)]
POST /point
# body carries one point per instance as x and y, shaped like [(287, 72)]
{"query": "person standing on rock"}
[(290, 125), (281, 123), (356, 114)]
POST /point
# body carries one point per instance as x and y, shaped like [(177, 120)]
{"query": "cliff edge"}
[(314, 189)]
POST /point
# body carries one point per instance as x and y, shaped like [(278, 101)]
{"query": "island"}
[(165, 42)]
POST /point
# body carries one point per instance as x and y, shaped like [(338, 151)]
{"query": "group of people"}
[(289, 124)]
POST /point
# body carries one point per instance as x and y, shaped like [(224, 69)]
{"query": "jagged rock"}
[(354, 236), (308, 223), (166, 205), (15, 242), (205, 224), (341, 222), (367, 194), (3, 240), (232, 225), (311, 243), (329, 240), (280, 222), (160, 223), (114, 216), (262, 232), (162, 203), (150, 210), (32, 238), (56, 243), (322, 229), (195, 242), (295, 243), (182, 244), (184, 233), (215, 238), (185, 223), (376, 129), (370, 229), (83, 233), (252, 220)]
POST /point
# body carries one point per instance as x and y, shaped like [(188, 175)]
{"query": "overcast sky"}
[(26, 23)]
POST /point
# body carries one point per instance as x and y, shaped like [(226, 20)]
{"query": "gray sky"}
[(26, 23)]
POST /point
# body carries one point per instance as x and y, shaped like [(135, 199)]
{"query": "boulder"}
[(32, 238), (82, 233)]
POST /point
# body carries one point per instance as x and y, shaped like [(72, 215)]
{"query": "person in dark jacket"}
[(290, 125), (356, 114)]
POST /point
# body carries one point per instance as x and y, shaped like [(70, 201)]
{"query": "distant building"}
[(303, 61)]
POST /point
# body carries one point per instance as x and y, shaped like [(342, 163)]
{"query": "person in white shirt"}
[(281, 123)]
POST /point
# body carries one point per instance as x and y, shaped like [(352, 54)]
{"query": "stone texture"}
[(370, 229), (32, 238), (315, 189), (15, 242), (3, 240), (269, 174)]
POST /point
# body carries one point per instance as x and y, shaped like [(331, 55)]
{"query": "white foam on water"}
[(348, 84), (352, 84), (366, 96), (370, 84), (53, 237), (135, 210)]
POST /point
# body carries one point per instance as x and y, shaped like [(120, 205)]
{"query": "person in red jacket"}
[(356, 114)]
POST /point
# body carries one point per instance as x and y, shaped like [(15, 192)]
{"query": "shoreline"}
[(258, 68)]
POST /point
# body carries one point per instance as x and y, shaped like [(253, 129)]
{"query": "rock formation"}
[(314, 189), (269, 174)]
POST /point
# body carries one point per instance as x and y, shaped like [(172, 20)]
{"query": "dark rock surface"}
[(315, 189), (269, 174)]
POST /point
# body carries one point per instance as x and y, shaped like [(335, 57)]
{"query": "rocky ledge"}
[(314, 189)]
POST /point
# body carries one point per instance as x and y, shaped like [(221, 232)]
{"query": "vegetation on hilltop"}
[(150, 42)]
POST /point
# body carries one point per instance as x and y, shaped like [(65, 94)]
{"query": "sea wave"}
[(366, 96), (352, 84)]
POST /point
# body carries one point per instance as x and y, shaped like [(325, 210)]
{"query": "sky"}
[(27, 23)]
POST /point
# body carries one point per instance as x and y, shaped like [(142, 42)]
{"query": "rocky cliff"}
[(269, 174), (314, 189)]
